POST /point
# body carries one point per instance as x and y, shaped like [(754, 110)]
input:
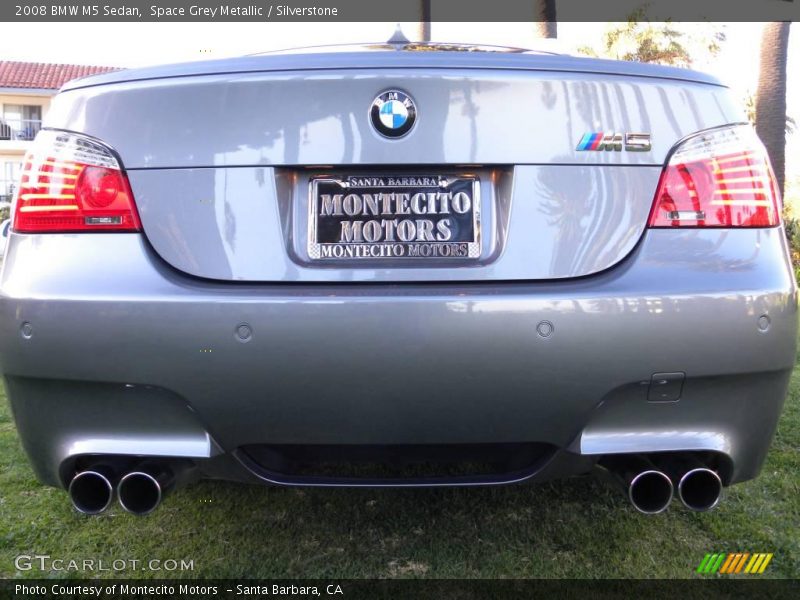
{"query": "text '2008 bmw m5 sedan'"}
[(420, 265)]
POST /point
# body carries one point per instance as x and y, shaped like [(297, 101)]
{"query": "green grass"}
[(572, 528)]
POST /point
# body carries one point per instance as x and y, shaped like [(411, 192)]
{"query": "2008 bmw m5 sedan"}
[(397, 268)]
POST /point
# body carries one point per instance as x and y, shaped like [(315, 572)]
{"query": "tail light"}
[(718, 178), (73, 183)]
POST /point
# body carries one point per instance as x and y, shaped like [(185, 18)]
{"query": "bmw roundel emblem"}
[(393, 113)]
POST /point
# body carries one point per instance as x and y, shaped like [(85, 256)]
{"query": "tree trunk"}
[(424, 25), (545, 24), (771, 95)]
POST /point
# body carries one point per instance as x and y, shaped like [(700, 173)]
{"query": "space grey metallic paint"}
[(212, 330), (215, 226), (674, 305), (469, 116)]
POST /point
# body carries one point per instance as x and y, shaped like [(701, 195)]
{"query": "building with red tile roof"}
[(26, 89), (43, 76)]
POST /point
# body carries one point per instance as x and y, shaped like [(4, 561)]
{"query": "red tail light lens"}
[(719, 178), (73, 183)]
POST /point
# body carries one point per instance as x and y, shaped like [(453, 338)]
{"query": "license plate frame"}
[(429, 243)]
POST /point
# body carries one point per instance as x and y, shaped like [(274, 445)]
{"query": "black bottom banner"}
[(406, 588)]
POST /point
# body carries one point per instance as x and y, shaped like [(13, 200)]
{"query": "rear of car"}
[(397, 268)]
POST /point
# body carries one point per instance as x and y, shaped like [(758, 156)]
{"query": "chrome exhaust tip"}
[(700, 489), (649, 489), (139, 493), (650, 492), (91, 492)]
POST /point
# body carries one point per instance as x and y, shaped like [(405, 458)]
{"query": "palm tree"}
[(545, 24), (424, 24), (771, 95)]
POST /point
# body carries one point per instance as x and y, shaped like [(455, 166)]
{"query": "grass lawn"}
[(573, 528)]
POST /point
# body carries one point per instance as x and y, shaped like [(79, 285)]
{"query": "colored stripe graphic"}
[(749, 568), (741, 562), (713, 564), (728, 561), (758, 563), (703, 563), (585, 140), (765, 563), (590, 141), (715, 567), (734, 563)]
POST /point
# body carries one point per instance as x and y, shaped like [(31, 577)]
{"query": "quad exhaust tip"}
[(91, 492), (650, 491), (700, 489), (139, 493)]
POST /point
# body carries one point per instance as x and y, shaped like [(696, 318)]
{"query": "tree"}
[(545, 25), (750, 109), (424, 23), (770, 104), (664, 43)]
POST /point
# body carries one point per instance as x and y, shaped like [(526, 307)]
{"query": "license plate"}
[(425, 217)]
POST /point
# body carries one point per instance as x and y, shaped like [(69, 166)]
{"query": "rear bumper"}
[(106, 350)]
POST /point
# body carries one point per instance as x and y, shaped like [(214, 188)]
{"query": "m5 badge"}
[(599, 140)]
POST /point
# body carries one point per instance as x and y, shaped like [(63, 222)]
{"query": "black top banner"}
[(396, 11)]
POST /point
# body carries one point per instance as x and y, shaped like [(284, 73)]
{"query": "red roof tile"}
[(15, 74)]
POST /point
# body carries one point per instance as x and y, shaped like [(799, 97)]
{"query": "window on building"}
[(20, 121)]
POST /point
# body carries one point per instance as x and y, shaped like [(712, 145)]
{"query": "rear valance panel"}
[(476, 116)]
